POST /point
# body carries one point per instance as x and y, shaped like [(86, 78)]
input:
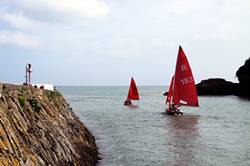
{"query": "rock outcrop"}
[(37, 127), (217, 86), (243, 75)]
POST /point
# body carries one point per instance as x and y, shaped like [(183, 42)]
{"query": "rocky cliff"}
[(37, 127)]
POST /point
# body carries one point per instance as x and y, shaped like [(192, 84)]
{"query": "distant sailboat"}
[(182, 90), (132, 93)]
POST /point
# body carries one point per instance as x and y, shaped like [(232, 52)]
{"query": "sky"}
[(105, 42)]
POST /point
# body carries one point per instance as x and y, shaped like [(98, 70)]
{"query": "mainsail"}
[(182, 89), (133, 92)]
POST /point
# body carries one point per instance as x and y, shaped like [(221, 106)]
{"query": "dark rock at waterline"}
[(217, 86)]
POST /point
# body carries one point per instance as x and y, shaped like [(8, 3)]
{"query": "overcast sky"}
[(104, 42)]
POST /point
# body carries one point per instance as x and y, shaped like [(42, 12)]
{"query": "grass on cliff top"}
[(34, 103), (52, 94)]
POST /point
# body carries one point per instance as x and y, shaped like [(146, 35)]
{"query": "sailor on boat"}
[(177, 111), (127, 102), (173, 109)]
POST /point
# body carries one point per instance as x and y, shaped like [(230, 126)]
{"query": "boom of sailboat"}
[(182, 90)]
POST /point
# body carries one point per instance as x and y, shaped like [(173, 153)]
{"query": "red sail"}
[(184, 86), (133, 92)]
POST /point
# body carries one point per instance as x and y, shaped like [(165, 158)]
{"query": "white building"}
[(44, 86)]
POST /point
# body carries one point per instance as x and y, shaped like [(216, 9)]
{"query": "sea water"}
[(216, 133)]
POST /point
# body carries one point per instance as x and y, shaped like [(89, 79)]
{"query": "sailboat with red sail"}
[(132, 93), (182, 90)]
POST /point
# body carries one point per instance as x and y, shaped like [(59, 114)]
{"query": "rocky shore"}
[(37, 127)]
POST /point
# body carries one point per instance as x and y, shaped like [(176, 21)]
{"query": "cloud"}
[(214, 36), (24, 21), (18, 20), (83, 8), (201, 8), (18, 38), (86, 8)]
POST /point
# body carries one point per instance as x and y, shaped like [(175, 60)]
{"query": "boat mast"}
[(172, 96), (171, 99)]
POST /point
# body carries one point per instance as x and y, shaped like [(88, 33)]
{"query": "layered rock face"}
[(37, 127)]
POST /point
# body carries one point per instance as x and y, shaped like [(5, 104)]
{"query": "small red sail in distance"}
[(183, 90), (133, 92)]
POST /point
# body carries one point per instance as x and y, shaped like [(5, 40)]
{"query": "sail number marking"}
[(187, 80), (184, 68)]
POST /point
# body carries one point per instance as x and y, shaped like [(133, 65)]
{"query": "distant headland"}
[(219, 86)]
